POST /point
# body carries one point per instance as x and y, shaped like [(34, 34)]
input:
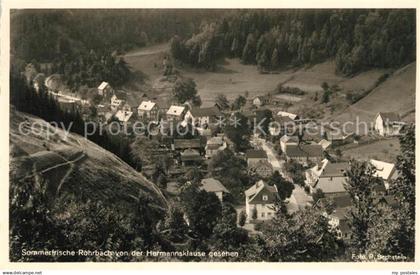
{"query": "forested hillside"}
[(357, 39), (44, 35)]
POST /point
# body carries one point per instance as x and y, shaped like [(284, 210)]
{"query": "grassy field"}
[(396, 94), (385, 150), (233, 79)]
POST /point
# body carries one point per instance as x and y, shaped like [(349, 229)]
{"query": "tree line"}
[(271, 39)]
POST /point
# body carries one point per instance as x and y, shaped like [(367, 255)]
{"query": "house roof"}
[(123, 116), (304, 150), (324, 143), (190, 154), (187, 143), (175, 110), (215, 140), (383, 169), (287, 114), (146, 105), (213, 185), (336, 169), (103, 85), (389, 117), (331, 184), (254, 190), (256, 154), (203, 112), (287, 138)]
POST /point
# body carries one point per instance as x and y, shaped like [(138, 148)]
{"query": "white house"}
[(332, 179), (200, 117), (124, 116), (384, 170), (104, 89), (388, 124), (148, 110), (312, 174), (288, 140), (116, 103), (260, 201), (260, 101), (212, 185), (176, 113), (287, 114)]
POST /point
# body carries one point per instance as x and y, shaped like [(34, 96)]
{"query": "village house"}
[(260, 101), (338, 218), (124, 116), (287, 114), (254, 156), (214, 145), (312, 174), (332, 179), (116, 103), (388, 124), (148, 110), (182, 144), (190, 157), (104, 89), (176, 113), (262, 168), (325, 144), (202, 117), (260, 201), (304, 153), (288, 140), (212, 185), (384, 170)]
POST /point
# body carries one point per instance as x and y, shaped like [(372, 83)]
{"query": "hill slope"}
[(74, 167), (396, 94)]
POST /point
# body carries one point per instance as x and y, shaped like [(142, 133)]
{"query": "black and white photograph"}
[(211, 135)]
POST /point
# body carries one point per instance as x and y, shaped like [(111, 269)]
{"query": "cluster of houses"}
[(321, 174)]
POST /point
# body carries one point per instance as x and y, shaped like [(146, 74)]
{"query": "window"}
[(262, 215), (265, 198)]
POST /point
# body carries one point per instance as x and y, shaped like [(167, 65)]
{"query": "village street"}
[(299, 197)]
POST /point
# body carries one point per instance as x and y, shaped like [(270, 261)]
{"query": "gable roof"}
[(304, 150), (256, 154), (383, 169), (336, 169), (287, 114), (203, 112), (175, 110), (252, 192), (331, 184), (389, 117), (123, 116), (213, 185), (146, 105), (324, 143), (103, 85)]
